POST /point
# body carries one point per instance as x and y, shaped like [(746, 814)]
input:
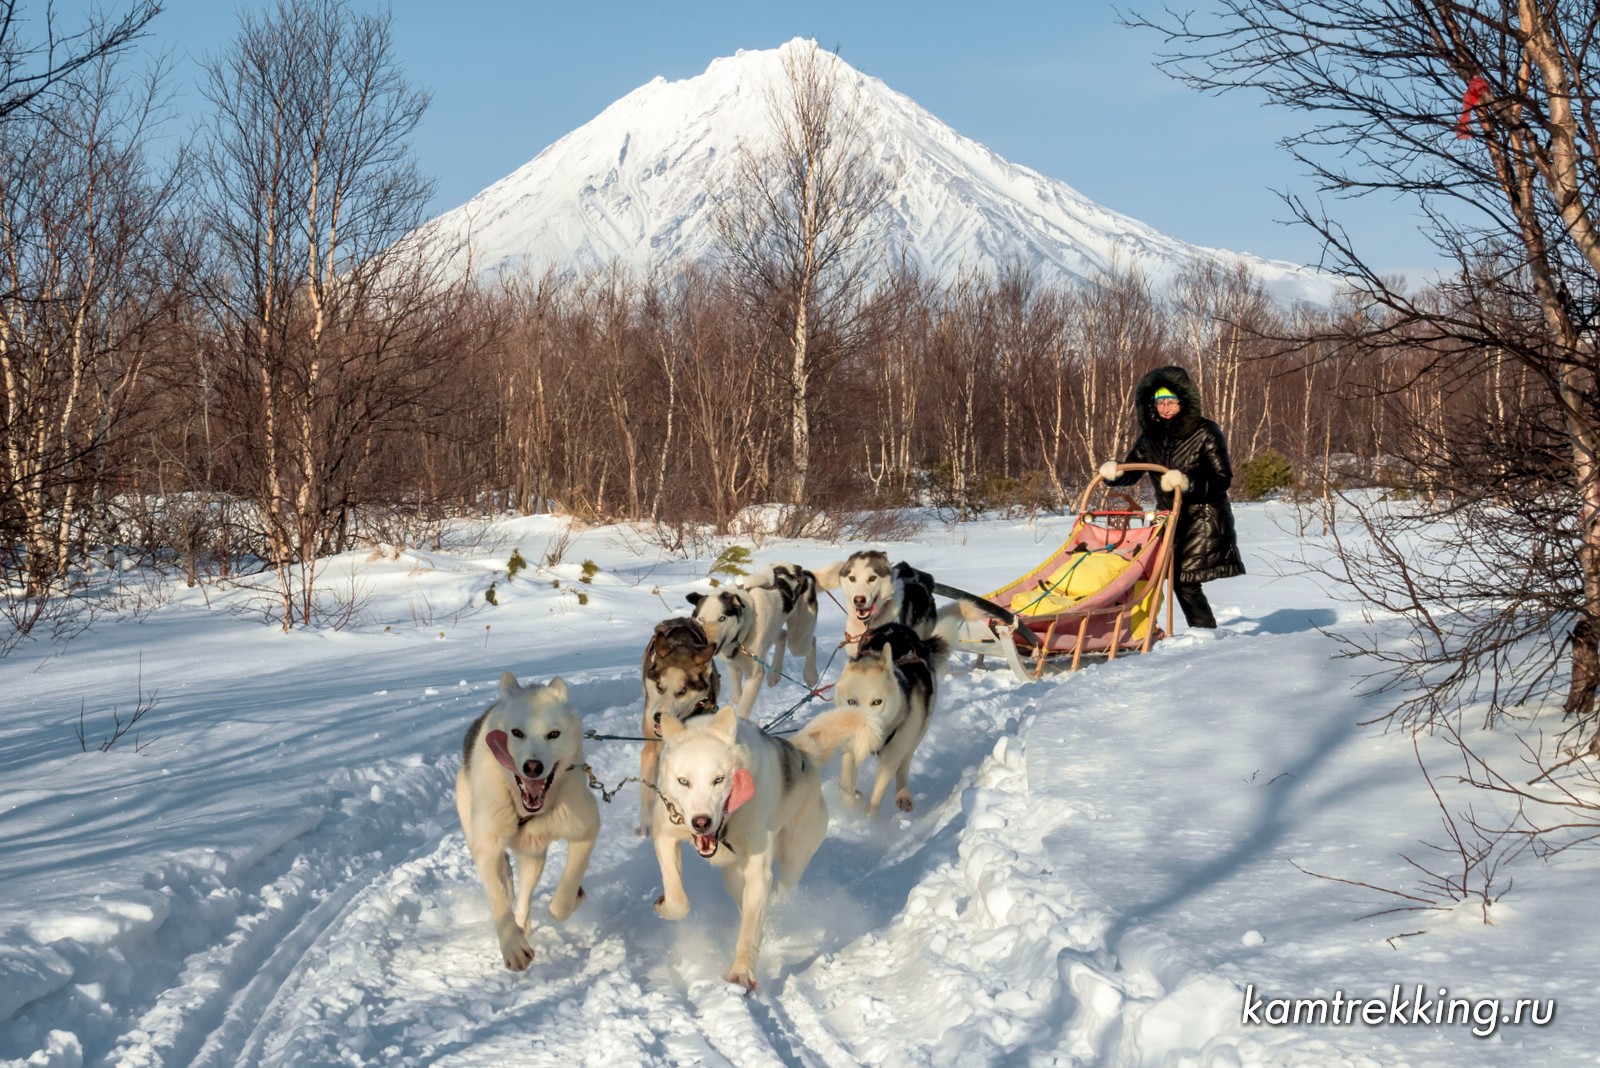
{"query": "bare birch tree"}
[(82, 222), (798, 227), (36, 53), (333, 321), (1485, 115)]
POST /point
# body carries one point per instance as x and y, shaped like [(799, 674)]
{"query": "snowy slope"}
[(636, 184), (1098, 866)]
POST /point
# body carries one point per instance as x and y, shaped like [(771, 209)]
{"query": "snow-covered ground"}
[(1099, 868)]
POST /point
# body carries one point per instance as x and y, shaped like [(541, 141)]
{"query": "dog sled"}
[(1099, 594)]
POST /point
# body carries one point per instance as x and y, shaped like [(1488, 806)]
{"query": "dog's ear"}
[(670, 728), (743, 789), (870, 655), (725, 727), (557, 688), (704, 653), (508, 684), (695, 598), (828, 575)]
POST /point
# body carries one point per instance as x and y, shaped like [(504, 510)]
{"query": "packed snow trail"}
[(902, 932), (1097, 867)]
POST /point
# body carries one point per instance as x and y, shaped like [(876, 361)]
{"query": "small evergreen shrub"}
[(733, 561), (515, 564), (590, 570), (1264, 473), (489, 595)]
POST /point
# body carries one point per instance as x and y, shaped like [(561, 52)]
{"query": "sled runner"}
[(1098, 594)]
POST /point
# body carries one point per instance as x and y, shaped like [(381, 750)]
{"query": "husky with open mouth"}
[(680, 681), (744, 800), (875, 593), (522, 786)]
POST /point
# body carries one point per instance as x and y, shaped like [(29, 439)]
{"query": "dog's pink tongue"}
[(500, 746)]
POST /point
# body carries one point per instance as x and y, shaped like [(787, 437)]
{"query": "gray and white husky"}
[(882, 704), (745, 800), (775, 609), (522, 786)]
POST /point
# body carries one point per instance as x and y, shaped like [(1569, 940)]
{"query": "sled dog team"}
[(709, 775)]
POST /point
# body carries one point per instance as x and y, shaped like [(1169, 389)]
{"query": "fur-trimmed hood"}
[(1190, 413)]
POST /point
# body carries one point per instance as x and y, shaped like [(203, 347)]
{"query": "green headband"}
[(1164, 394)]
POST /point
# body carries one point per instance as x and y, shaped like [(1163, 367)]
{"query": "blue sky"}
[(1056, 85)]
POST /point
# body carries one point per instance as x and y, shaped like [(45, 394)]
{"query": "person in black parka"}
[(1174, 432)]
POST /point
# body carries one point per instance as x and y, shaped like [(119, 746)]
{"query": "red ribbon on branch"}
[(1469, 101)]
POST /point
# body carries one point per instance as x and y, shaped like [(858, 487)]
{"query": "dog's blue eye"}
[(681, 692), (718, 780), (552, 736), (682, 781), (516, 733), (877, 700), (852, 702)]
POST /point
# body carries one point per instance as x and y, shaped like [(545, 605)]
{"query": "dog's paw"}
[(850, 797), (675, 910), (742, 975), (516, 951), (903, 802), (642, 831), (560, 910)]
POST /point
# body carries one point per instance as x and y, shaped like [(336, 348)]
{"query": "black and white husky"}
[(882, 704), (876, 593), (776, 608)]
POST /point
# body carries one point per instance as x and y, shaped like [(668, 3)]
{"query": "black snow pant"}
[(1192, 599)]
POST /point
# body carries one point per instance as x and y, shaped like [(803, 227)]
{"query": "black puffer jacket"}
[(1206, 544)]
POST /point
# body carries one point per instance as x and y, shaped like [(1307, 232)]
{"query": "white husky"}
[(776, 609), (521, 787), (744, 799), (882, 704)]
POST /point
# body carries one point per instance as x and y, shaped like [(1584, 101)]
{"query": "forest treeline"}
[(251, 350)]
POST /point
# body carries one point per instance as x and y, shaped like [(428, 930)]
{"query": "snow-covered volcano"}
[(637, 185)]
